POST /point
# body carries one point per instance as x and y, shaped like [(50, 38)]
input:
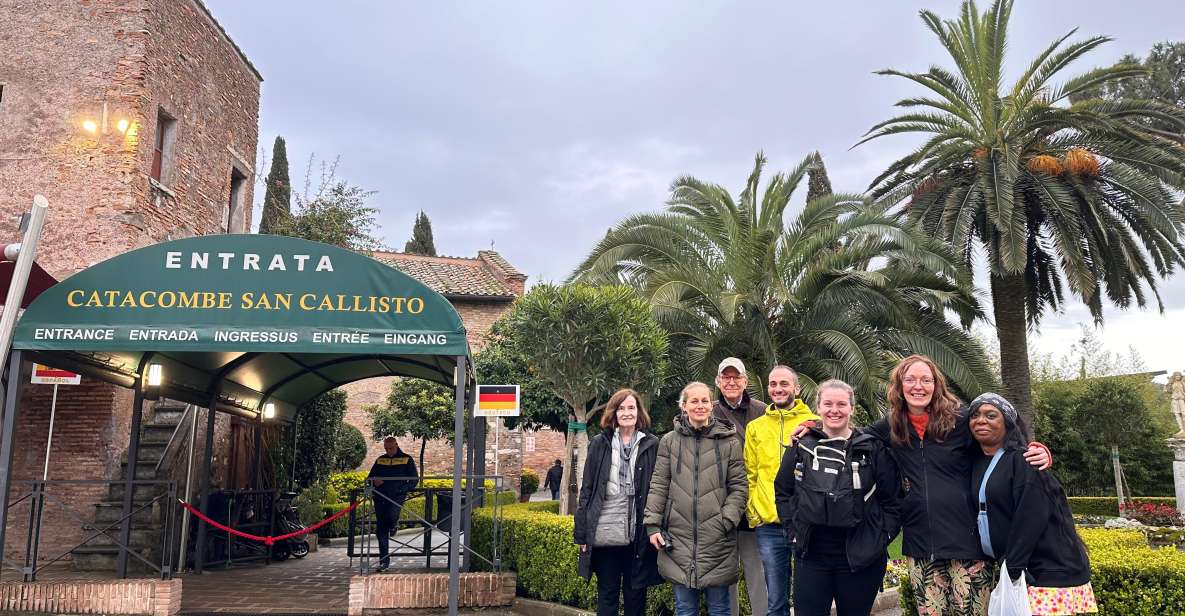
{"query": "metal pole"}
[(188, 489), (454, 561), (199, 547), (53, 409), (497, 458), (20, 273), (129, 486), (6, 438), (295, 432)]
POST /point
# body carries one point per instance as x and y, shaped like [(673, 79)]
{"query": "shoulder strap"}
[(983, 484)]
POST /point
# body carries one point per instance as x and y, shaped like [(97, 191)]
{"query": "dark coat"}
[(592, 497), (398, 472), (748, 409), (698, 495), (1032, 529), (555, 475), (937, 507), (879, 522)]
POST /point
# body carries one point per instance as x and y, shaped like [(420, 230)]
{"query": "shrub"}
[(350, 449), (528, 482), (1129, 578), (537, 544), (1109, 506), (1154, 515)]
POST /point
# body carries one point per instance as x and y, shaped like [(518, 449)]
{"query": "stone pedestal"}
[(1178, 447)]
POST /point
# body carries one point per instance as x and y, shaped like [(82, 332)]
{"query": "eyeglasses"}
[(731, 379), (910, 381)]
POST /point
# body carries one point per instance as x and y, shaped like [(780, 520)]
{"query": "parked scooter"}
[(288, 521)]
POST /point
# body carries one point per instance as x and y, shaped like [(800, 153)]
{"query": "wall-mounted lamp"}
[(90, 126), (153, 380), (122, 126), (269, 411)]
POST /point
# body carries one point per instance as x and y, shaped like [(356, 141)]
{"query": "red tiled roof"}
[(457, 276)]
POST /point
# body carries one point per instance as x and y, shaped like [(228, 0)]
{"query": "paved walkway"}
[(316, 584)]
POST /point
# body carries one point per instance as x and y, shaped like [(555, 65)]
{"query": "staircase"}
[(156, 434)]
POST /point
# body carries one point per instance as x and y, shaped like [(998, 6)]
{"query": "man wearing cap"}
[(734, 404)]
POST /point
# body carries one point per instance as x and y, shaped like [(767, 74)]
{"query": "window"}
[(234, 209), (162, 149)]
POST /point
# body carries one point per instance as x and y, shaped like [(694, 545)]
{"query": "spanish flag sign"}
[(497, 401)]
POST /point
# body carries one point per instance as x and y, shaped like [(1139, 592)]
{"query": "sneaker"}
[(381, 568)]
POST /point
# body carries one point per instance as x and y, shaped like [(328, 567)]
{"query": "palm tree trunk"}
[(1008, 305)]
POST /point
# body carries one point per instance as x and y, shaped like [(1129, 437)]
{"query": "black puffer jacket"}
[(937, 508), (879, 522), (592, 497)]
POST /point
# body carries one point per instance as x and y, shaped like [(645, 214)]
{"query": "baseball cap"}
[(731, 362)]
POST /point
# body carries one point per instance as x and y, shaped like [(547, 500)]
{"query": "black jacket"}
[(1031, 527), (592, 498), (866, 543), (555, 475), (393, 466), (937, 509)]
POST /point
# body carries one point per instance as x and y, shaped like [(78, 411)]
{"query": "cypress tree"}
[(421, 238), (817, 185), (277, 201)]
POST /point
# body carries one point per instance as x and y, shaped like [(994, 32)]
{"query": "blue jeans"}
[(775, 561), (687, 600)]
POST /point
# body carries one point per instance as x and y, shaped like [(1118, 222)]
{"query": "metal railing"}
[(160, 510), (249, 511), (436, 518)]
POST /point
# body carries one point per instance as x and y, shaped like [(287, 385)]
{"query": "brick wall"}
[(374, 593), (63, 62), (549, 446), (90, 434), (146, 597)]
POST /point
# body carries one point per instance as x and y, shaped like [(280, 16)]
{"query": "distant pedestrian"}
[(555, 475), (393, 476), (608, 522)]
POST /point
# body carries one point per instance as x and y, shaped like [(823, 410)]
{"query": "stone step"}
[(141, 493), (149, 452), (145, 469), (109, 512), (153, 434), (103, 558), (138, 538)]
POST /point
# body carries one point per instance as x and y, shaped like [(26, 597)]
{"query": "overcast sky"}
[(535, 127)]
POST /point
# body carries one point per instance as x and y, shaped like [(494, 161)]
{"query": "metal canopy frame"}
[(240, 378)]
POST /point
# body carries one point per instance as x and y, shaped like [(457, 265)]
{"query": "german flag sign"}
[(497, 401)]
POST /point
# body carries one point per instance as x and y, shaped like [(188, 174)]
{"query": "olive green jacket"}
[(698, 494)]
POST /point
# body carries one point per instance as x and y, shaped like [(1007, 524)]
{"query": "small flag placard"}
[(497, 401), (44, 375)]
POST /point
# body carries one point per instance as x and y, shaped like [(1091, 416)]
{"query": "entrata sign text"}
[(263, 292)]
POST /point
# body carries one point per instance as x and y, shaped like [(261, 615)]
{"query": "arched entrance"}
[(250, 325)]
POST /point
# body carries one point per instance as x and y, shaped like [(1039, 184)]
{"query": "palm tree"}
[(840, 291), (1051, 190)]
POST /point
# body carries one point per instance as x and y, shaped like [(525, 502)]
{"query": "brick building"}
[(481, 289), (138, 120)]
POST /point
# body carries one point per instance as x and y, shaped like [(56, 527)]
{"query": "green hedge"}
[(413, 512), (536, 543), (1129, 578), (1109, 506)]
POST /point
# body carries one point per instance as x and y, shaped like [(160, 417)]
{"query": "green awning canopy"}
[(257, 318)]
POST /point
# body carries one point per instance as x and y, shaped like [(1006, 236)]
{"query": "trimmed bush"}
[(1128, 577), (1109, 506), (537, 544), (529, 482)]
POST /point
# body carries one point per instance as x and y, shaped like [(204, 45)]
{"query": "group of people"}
[(741, 485)]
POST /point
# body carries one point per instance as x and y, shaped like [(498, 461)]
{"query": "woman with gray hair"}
[(836, 494)]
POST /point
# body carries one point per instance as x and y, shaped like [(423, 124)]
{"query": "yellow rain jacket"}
[(766, 439)]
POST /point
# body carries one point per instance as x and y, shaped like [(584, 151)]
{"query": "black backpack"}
[(832, 481)]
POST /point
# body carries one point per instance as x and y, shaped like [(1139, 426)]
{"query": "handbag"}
[(985, 534), (1009, 598)]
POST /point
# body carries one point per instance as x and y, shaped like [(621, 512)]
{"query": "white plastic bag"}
[(1009, 598)]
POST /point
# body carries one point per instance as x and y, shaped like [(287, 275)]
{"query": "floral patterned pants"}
[(951, 587)]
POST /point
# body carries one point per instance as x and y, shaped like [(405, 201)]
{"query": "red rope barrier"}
[(267, 540)]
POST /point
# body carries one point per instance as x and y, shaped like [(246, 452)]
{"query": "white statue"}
[(1176, 389)]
